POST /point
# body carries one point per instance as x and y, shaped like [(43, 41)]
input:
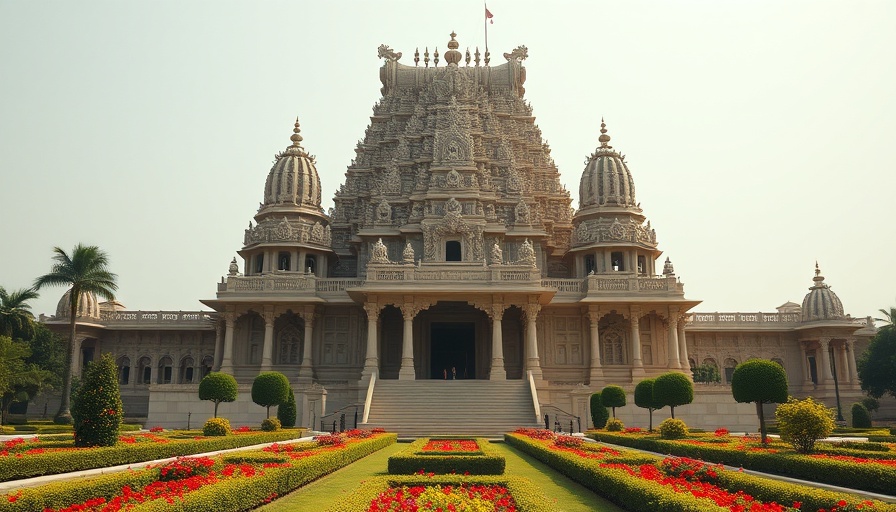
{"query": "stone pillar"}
[(227, 358), (295, 265), (807, 369), (596, 372), (301, 261), (824, 376), (372, 361), (267, 349), (219, 346), (306, 369), (407, 371), (637, 364), (851, 356), (497, 371), (533, 362), (683, 347), (672, 348)]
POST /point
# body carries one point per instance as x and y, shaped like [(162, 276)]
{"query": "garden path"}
[(323, 493)]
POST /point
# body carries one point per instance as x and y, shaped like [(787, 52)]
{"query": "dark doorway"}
[(452, 250), (453, 347)]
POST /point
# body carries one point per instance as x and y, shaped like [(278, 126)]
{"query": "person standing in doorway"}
[(453, 373)]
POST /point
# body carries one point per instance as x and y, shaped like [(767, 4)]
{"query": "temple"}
[(453, 270)]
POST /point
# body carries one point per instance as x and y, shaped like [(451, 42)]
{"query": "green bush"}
[(671, 428), (270, 388), (673, 389), (412, 459), (614, 425), (96, 407), (613, 397), (802, 422), (218, 387), (286, 412), (644, 399), (861, 418), (759, 381), (871, 403), (599, 413), (270, 424), (707, 373), (216, 427)]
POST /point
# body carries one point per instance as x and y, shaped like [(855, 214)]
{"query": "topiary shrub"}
[(760, 381), (96, 407), (216, 427), (802, 422), (613, 397), (599, 413), (270, 424), (644, 399), (218, 387), (861, 418), (673, 389), (270, 388), (615, 425), (671, 428), (286, 412)]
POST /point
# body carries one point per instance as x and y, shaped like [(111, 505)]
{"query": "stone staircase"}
[(419, 408)]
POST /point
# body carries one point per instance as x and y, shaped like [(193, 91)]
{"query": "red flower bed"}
[(857, 460), (451, 445), (443, 498)]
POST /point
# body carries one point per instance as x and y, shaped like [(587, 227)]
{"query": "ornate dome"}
[(293, 180), (88, 307), (821, 303), (606, 180)]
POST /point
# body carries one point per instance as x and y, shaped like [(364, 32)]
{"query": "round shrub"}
[(270, 388), (613, 397), (760, 381), (286, 412), (673, 389), (802, 422), (599, 413), (644, 399), (218, 387), (96, 406), (270, 424), (614, 425), (861, 418), (216, 427), (671, 428)]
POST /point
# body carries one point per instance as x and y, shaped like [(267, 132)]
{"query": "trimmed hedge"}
[(526, 495), (411, 460), (51, 463), (866, 477), (230, 495)]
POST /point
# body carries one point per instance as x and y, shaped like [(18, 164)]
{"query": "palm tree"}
[(86, 272), (16, 320), (889, 316)]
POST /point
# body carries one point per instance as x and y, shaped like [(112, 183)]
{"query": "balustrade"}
[(185, 318)]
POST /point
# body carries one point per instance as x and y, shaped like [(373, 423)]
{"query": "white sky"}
[(758, 132)]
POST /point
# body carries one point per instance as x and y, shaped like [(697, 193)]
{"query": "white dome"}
[(88, 307), (293, 180), (606, 180), (821, 303)]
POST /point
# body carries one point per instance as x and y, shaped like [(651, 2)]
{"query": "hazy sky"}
[(760, 134)]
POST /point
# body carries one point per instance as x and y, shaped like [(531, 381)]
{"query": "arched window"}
[(617, 260), (613, 346), (124, 370), (590, 266), (691, 363), (145, 370), (452, 250), (206, 366), (165, 370), (283, 261), (186, 371), (259, 263), (289, 345), (310, 264), (730, 365)]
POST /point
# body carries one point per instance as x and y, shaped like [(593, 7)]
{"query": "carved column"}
[(533, 362), (635, 319), (306, 369), (807, 369), (683, 347), (372, 361), (268, 347), (227, 358), (497, 371), (596, 372), (851, 356), (672, 349), (825, 375), (407, 371), (219, 346)]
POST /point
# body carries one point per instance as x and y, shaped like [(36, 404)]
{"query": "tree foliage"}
[(20, 380), (673, 389), (877, 366), (16, 319), (96, 408), (707, 373), (644, 399), (760, 381), (270, 388), (86, 271), (871, 403), (613, 397), (286, 412), (861, 418), (599, 412), (802, 422), (218, 387)]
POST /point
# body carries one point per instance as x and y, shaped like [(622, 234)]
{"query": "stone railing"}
[(768, 320), (295, 284), (504, 274), (179, 319), (574, 286), (615, 284)]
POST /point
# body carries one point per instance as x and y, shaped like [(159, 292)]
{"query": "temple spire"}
[(604, 138), (296, 137)]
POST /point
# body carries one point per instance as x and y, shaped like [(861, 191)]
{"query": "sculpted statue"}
[(527, 254), (384, 52), (497, 255), (383, 211), (379, 254), (234, 268), (408, 255)]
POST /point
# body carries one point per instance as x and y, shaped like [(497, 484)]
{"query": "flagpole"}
[(485, 23)]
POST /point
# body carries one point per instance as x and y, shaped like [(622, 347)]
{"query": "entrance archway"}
[(452, 350)]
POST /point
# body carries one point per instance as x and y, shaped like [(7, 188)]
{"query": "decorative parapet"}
[(612, 284), (753, 320), (179, 319), (294, 284), (504, 274)]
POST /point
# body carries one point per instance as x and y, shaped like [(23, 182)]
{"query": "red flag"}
[(489, 16)]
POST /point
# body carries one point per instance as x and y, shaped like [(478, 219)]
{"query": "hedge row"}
[(51, 463), (229, 495), (763, 489), (527, 496), (866, 477), (410, 461)]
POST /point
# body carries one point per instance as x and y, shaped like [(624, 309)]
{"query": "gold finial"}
[(604, 138), (453, 44), (296, 138), (453, 56)]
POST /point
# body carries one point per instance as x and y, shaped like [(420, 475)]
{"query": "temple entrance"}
[(452, 345)]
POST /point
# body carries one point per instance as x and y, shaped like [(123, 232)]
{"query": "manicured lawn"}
[(323, 493)]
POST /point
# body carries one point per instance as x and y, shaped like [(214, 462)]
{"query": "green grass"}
[(323, 493)]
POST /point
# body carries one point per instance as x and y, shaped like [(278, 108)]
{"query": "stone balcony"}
[(615, 286), (293, 285)]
